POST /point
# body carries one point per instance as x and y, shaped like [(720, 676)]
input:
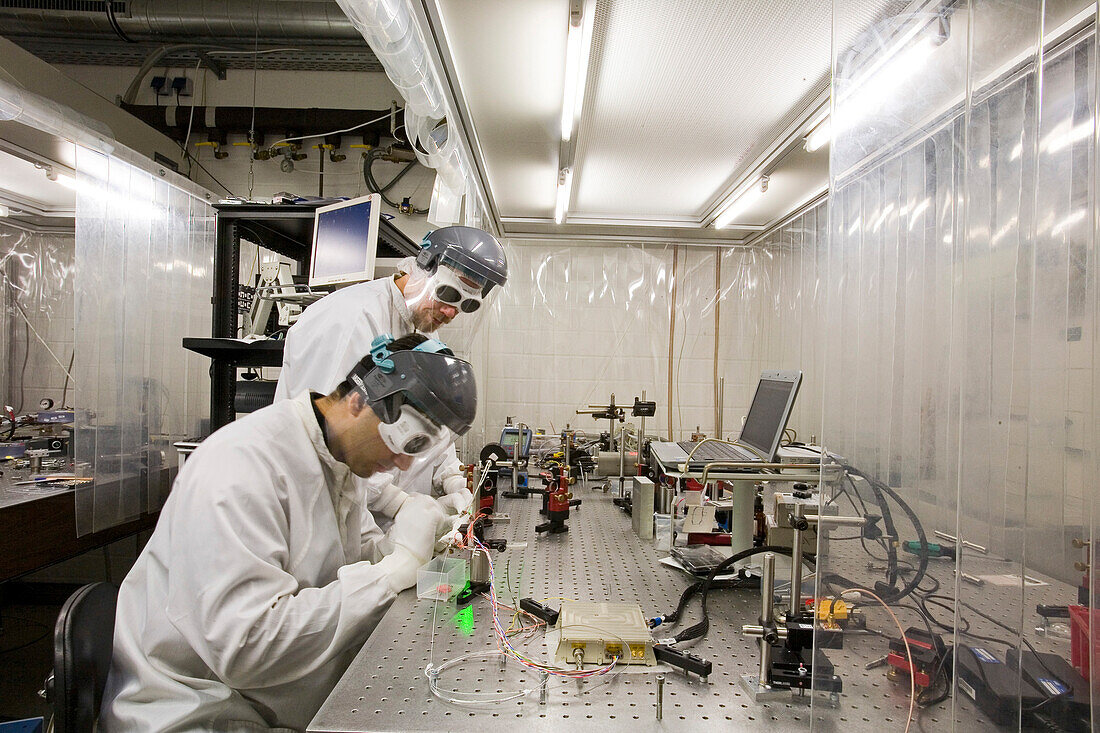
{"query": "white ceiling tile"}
[(682, 97)]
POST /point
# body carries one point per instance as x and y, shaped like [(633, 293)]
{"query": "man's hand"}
[(413, 536), (455, 484), (457, 503), (417, 525)]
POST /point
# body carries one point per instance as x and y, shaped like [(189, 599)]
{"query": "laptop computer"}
[(760, 436)]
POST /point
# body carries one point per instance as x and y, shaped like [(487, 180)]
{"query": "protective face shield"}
[(456, 272), (422, 396)]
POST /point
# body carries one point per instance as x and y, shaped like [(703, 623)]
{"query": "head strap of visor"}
[(381, 355)]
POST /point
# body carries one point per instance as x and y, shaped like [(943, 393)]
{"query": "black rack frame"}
[(286, 229)]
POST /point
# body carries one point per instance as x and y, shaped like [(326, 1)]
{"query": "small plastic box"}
[(441, 579), (662, 531)]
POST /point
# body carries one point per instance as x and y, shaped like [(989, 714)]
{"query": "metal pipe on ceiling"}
[(167, 21)]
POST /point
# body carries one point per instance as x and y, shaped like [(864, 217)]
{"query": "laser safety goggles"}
[(448, 287), (412, 434)]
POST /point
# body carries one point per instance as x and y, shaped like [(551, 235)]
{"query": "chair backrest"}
[(83, 639)]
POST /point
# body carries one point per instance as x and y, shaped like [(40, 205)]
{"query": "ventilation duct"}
[(194, 21)]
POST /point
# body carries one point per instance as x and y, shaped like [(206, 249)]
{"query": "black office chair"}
[(82, 644)]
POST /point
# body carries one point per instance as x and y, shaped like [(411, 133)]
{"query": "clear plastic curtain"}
[(580, 322), (144, 253), (37, 272), (776, 284), (957, 330)]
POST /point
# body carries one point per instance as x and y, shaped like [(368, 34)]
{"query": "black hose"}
[(373, 185), (700, 629), (113, 21), (880, 490)]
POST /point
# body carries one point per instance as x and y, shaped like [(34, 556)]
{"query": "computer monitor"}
[(769, 411), (345, 240)]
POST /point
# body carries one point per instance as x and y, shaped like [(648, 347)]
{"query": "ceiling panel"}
[(500, 49), (683, 98)]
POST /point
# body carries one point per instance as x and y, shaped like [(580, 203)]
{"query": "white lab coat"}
[(250, 599), (330, 337)]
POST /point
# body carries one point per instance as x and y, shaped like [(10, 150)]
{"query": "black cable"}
[(32, 642), (23, 371), (923, 617), (700, 629), (114, 23), (65, 389), (934, 589), (197, 162), (882, 492)]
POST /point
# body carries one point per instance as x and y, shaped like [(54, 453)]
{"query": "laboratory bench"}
[(601, 559), (38, 523)]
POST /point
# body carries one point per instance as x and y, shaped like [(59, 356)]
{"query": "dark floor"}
[(26, 657), (28, 611)]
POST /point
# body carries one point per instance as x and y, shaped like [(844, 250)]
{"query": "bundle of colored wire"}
[(505, 645)]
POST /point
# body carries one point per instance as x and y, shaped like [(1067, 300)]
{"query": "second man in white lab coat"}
[(454, 272)]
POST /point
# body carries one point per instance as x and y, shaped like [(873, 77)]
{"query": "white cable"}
[(334, 132), (191, 118), (252, 53)]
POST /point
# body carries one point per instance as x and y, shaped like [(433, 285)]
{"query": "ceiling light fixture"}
[(565, 183), (741, 201), (57, 177), (4, 211), (578, 44), (820, 134)]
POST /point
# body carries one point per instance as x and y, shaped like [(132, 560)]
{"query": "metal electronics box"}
[(602, 631), (779, 528)]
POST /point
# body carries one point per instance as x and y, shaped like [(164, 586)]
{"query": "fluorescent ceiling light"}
[(741, 201), (565, 183), (577, 46), (820, 135), (879, 86), (63, 178), (4, 211)]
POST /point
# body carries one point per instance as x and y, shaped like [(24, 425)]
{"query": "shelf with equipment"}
[(287, 230)]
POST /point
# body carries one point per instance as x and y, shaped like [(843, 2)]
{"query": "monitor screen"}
[(345, 240), (768, 414)]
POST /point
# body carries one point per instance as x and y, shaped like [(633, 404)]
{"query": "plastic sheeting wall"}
[(37, 333), (958, 329), (578, 322), (144, 253)]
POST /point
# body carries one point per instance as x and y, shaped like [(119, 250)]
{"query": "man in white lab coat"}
[(454, 272), (257, 587)]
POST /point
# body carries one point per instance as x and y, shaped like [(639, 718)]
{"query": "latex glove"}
[(400, 568), (454, 484), (384, 497), (416, 526), (452, 535), (456, 503)]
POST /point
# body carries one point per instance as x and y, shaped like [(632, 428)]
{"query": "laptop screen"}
[(769, 411)]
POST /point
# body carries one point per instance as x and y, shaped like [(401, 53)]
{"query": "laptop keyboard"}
[(718, 452)]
